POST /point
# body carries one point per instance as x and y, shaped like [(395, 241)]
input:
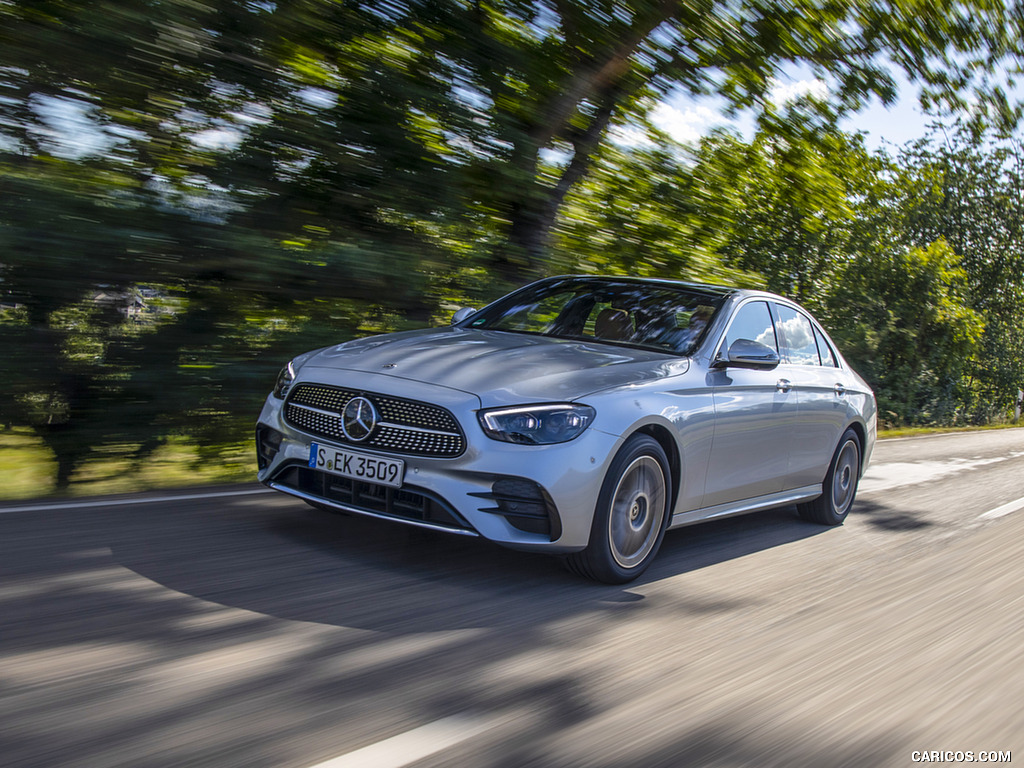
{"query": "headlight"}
[(537, 424), (284, 381)]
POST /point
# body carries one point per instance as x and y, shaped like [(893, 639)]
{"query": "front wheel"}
[(631, 515), (840, 486)]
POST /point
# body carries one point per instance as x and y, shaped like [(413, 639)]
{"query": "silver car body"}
[(739, 440)]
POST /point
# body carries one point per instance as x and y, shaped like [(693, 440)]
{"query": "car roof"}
[(719, 290), (724, 292)]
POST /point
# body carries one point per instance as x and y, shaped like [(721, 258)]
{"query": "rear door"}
[(810, 366)]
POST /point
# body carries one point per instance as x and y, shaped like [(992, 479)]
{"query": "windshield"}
[(650, 315)]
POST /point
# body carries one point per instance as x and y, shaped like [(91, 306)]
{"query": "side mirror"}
[(744, 353), (462, 314)]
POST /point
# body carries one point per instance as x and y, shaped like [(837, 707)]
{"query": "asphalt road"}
[(249, 630)]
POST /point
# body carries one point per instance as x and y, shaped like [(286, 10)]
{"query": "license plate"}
[(357, 466)]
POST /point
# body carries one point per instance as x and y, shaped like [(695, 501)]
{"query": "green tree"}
[(967, 187), (649, 211), (864, 238), (201, 150), (791, 205), (552, 77), (902, 319), (290, 174)]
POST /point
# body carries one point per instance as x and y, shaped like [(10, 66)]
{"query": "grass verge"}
[(916, 431), (28, 471)]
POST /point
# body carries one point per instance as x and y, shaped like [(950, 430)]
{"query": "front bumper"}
[(500, 491)]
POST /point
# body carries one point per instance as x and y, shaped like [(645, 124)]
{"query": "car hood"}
[(500, 368)]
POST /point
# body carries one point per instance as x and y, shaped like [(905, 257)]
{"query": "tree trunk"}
[(534, 216)]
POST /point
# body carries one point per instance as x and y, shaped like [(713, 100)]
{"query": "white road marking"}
[(411, 746), (1002, 511), (882, 477), (935, 435), (124, 502)]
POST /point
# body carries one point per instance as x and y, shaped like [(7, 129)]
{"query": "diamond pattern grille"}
[(406, 426)]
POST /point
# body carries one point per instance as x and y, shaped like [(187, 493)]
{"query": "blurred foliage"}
[(790, 205), (650, 211), (191, 191)]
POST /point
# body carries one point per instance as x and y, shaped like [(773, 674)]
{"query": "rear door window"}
[(796, 337)]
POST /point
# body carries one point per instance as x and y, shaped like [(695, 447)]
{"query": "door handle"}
[(784, 385), (840, 390)]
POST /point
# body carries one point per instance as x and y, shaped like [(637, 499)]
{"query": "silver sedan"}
[(582, 416)]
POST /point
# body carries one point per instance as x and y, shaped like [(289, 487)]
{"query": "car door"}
[(753, 416), (809, 365)]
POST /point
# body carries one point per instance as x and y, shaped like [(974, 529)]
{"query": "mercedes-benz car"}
[(581, 416)]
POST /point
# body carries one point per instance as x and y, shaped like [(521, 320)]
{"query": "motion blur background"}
[(193, 191)]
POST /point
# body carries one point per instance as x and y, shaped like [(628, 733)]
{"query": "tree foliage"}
[(914, 261), (906, 324), (966, 189), (271, 176)]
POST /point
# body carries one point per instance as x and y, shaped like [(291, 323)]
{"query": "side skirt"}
[(742, 507)]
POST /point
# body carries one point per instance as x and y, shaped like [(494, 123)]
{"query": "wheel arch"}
[(663, 436), (862, 435)]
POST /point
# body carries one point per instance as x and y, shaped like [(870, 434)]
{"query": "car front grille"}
[(410, 504), (406, 426)]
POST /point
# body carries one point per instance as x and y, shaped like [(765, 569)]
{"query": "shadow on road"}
[(888, 519), (301, 564), (265, 611)]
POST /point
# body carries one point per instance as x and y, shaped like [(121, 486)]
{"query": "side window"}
[(753, 321), (796, 337), (827, 358)]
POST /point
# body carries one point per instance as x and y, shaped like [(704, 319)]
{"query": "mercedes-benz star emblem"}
[(358, 419)]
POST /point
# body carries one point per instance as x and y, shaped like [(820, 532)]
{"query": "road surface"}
[(235, 627)]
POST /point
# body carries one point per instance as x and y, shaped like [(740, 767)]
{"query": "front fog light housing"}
[(537, 424), (284, 381)]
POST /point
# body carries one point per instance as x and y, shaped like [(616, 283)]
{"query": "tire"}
[(840, 486), (631, 516)]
